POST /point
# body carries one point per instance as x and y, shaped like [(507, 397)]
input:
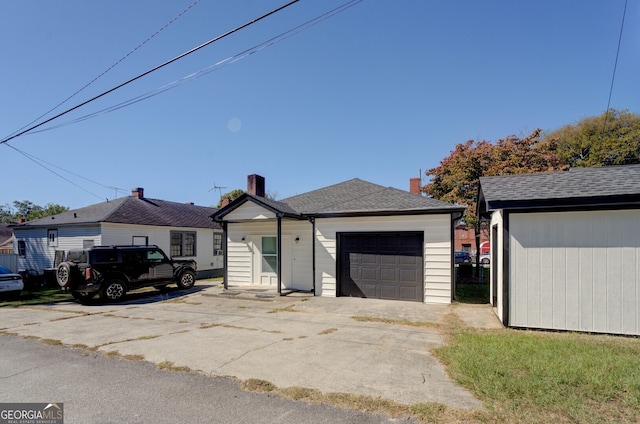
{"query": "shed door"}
[(381, 265)]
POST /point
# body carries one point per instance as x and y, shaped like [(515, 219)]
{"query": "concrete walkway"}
[(297, 340)]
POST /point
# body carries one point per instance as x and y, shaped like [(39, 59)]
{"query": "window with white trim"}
[(183, 243)]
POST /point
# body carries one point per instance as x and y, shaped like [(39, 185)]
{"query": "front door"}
[(265, 261)]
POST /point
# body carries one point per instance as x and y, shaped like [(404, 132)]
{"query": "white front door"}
[(265, 261)]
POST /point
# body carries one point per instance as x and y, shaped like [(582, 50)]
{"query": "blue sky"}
[(378, 92)]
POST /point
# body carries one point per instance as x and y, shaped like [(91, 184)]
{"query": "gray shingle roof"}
[(358, 196), (577, 186), (131, 210)]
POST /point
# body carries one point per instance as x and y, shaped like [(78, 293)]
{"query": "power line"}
[(615, 66), (195, 75), (111, 67), (41, 162), (195, 49)]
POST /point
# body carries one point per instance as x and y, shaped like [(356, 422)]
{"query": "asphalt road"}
[(99, 389)]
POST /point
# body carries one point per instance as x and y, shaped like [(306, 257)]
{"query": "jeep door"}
[(135, 265), (160, 267)]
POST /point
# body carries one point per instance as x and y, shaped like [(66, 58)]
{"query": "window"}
[(22, 248), (140, 241), (183, 243), (217, 244), (269, 254), (155, 256), (52, 238), (87, 244)]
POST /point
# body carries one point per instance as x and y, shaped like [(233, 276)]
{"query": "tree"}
[(232, 195), (457, 178), (28, 211), (612, 138)]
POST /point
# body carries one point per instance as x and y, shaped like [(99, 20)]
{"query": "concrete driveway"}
[(297, 340)]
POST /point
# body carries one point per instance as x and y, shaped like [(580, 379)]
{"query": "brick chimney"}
[(225, 202), (137, 192), (255, 185), (414, 185)]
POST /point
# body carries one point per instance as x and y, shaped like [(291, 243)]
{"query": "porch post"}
[(225, 274), (279, 254)]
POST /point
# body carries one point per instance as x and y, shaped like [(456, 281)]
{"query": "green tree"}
[(457, 178), (29, 211), (232, 195), (612, 138)]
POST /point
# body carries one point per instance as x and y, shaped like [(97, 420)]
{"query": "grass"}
[(36, 297), (543, 377), (396, 321)]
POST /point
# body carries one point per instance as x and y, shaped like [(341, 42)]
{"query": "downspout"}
[(312, 220), (454, 217), (279, 255), (225, 274)]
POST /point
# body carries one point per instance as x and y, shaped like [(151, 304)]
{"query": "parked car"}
[(10, 282), (111, 271), (485, 259), (462, 258)]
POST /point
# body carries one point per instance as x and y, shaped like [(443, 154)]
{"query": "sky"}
[(382, 91)]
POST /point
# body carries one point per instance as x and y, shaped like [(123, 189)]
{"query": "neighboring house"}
[(565, 248), (350, 239), (182, 230), (465, 238), (6, 239)]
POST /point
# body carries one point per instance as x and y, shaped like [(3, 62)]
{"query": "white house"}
[(350, 239), (182, 230), (565, 248)]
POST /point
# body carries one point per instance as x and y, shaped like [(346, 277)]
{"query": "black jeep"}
[(111, 271)]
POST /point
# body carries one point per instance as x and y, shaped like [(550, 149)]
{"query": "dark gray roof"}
[(578, 186), (132, 210), (350, 198), (358, 196)]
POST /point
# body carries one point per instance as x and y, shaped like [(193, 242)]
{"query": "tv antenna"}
[(217, 187), (117, 189)]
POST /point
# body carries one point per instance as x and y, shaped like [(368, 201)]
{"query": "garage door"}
[(381, 265)]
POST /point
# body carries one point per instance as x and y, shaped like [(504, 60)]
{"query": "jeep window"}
[(183, 243), (101, 256), (155, 256), (132, 257), (77, 256)]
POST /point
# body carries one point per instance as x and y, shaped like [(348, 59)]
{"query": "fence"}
[(9, 261)]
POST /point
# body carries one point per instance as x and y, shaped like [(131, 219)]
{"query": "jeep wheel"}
[(83, 298), (63, 274), (187, 280), (113, 290)]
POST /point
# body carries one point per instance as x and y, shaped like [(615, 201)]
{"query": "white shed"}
[(565, 248), (354, 239)]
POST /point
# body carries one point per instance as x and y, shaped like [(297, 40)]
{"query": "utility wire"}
[(210, 68), (213, 40), (110, 67), (41, 162), (615, 66)]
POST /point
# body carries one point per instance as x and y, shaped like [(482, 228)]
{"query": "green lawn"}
[(546, 377)]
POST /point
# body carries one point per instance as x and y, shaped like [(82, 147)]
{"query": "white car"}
[(10, 282), (485, 259)]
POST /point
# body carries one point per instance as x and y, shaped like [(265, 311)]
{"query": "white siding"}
[(437, 249), (39, 255), (576, 271), (249, 210), (297, 267), (161, 236)]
